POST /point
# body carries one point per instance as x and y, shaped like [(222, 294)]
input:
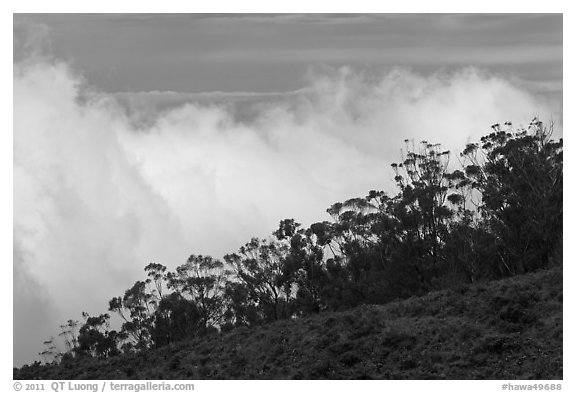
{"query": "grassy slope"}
[(508, 329)]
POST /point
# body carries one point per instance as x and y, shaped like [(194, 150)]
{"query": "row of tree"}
[(499, 215)]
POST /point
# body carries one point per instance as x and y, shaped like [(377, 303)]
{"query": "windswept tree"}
[(352, 243), (69, 334), (136, 308), (158, 276), (176, 318), (259, 267), (242, 307), (50, 354), (519, 176), (303, 265), (201, 280), (95, 338), (422, 207)]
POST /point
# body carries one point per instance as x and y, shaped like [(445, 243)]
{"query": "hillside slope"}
[(507, 329)]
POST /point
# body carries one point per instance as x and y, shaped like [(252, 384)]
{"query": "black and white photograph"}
[(292, 196)]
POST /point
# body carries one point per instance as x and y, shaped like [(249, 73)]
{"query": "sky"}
[(147, 138)]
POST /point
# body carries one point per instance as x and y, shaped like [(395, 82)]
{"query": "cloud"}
[(98, 195), (31, 40), (32, 301), (424, 56)]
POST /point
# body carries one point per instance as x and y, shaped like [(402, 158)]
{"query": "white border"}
[(356, 6)]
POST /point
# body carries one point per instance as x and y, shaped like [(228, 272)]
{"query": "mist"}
[(106, 183)]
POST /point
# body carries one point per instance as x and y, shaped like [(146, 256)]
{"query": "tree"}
[(50, 354), (136, 308), (201, 281), (241, 306), (95, 338), (176, 318), (259, 267), (303, 265), (520, 178), (157, 274), (69, 335), (424, 183)]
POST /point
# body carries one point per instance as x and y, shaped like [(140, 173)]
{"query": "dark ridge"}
[(504, 329)]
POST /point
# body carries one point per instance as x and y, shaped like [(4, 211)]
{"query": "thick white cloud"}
[(96, 197)]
